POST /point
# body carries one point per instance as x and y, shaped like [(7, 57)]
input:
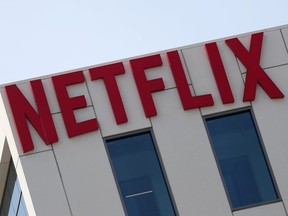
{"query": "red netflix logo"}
[(41, 119)]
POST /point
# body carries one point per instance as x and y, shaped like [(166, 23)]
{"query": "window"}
[(13, 203), (241, 159), (139, 176)]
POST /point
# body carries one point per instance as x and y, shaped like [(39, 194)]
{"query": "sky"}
[(44, 37)]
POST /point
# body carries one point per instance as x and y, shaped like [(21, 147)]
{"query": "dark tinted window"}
[(241, 159), (13, 203), (139, 176)]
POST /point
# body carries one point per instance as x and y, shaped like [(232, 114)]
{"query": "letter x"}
[(255, 73)]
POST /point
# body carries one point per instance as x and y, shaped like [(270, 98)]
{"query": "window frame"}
[(159, 158), (262, 146), (12, 175)]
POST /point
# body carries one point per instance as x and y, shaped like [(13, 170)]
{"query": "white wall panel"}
[(275, 209), (188, 158), (284, 32), (272, 118), (39, 176), (86, 174)]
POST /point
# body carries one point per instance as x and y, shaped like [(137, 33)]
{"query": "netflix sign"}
[(41, 118)]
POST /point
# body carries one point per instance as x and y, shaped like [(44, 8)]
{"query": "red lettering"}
[(68, 105), (23, 110), (219, 73), (108, 73), (146, 87), (255, 74), (188, 101)]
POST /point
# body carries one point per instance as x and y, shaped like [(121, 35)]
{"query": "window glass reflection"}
[(139, 176), (241, 160), (13, 203)]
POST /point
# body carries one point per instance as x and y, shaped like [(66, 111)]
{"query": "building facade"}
[(198, 130)]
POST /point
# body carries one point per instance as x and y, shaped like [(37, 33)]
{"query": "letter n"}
[(22, 111)]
